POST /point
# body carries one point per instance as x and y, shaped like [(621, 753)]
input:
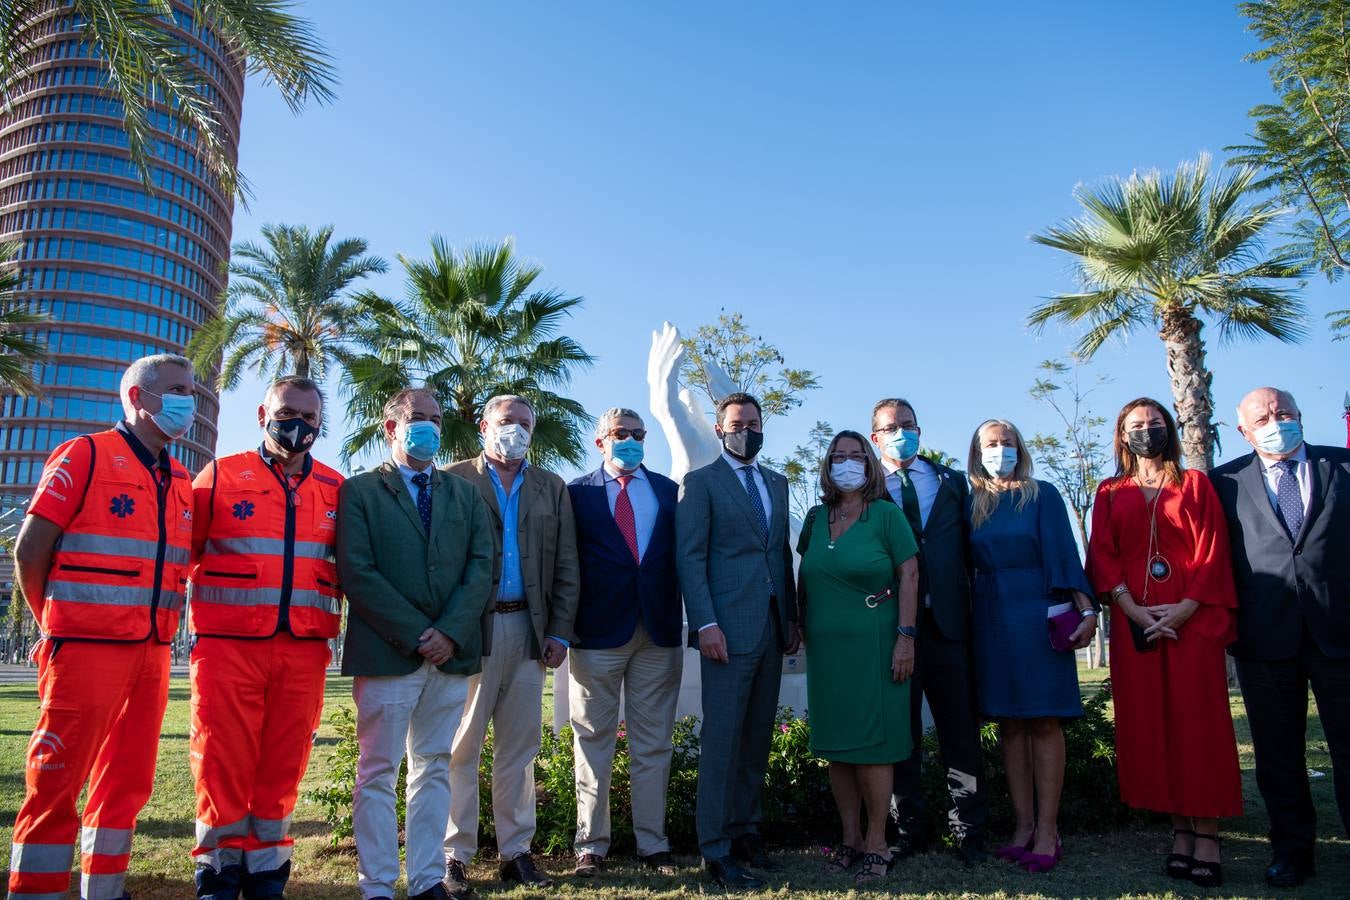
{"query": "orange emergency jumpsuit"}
[(111, 606), (265, 602)]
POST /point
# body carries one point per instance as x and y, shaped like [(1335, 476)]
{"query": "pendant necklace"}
[(842, 514)]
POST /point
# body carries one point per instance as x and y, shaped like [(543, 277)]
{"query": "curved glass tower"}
[(121, 270)]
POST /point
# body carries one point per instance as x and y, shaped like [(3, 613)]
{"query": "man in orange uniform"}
[(265, 602), (101, 560)]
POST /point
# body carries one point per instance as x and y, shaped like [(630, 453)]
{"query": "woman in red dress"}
[(1159, 552)]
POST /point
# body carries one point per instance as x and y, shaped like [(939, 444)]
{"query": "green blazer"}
[(399, 580)]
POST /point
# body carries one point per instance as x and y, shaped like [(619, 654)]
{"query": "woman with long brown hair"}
[(859, 584), (1159, 551)]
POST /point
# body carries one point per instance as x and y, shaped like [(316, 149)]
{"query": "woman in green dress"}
[(858, 585)]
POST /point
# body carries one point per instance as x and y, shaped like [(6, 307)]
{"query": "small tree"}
[(940, 457), (802, 467), (751, 364)]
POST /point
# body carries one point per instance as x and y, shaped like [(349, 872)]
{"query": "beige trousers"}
[(649, 678), (509, 693)]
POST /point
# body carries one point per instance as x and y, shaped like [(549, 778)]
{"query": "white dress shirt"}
[(1273, 470), (758, 478), (642, 496), (926, 483)]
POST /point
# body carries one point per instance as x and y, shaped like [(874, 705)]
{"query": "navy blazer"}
[(1284, 585), (615, 590)]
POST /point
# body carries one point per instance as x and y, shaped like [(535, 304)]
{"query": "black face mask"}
[(1147, 442), (744, 445), (292, 435)]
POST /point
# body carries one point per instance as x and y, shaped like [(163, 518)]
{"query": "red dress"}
[(1175, 748)]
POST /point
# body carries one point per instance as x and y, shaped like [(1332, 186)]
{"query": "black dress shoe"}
[(522, 870), (436, 892), (660, 862), (972, 851), (1286, 872), (456, 880), (725, 873), (749, 849), (907, 844)]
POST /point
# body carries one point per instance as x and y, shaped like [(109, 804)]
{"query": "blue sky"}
[(858, 180)]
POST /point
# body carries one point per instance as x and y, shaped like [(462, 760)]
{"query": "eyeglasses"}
[(623, 434), (837, 458)]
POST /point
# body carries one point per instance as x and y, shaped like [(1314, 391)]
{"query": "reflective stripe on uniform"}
[(267, 859), (61, 895), (132, 548), (208, 836), (105, 841), (172, 601), (232, 596), (218, 858), (41, 858), (103, 886), (258, 546), (271, 829), (105, 594)]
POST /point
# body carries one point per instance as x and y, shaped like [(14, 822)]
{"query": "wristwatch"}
[(908, 631)]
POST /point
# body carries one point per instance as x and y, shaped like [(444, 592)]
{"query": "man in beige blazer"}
[(536, 583)]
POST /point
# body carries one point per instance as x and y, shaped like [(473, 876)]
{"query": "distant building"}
[(121, 271)]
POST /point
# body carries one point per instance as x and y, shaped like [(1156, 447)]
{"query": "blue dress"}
[(1024, 562)]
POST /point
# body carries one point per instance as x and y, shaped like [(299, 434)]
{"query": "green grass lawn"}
[(1119, 864)]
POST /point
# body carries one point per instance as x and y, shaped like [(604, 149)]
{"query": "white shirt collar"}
[(917, 464), (611, 475), (736, 464), (1300, 455)]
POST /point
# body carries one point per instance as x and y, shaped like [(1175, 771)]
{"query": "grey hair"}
[(143, 372), (504, 400), (1280, 393), (401, 404), (612, 415)]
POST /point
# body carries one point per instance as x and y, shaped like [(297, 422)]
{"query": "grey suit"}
[(733, 577)]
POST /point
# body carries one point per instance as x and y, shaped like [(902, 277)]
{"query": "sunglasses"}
[(623, 434)]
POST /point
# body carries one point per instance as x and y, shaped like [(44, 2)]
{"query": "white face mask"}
[(848, 475), (509, 441), (999, 462)]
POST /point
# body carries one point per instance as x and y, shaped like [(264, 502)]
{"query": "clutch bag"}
[(1061, 621)]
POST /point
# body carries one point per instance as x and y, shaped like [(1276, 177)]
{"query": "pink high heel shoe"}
[(1013, 853), (1039, 864)]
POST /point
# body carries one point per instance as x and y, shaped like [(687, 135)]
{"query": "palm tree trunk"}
[(302, 363), (1191, 381)]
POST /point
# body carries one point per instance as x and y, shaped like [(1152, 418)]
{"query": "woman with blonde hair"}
[(1032, 609), (858, 585)]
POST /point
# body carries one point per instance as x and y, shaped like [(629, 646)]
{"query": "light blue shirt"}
[(408, 472), (512, 586), (1273, 470), (642, 497)]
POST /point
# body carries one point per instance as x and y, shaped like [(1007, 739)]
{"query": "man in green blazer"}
[(536, 586), (415, 555)]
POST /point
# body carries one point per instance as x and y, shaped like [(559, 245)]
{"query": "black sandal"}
[(843, 859), (1205, 873), (870, 863), (1179, 865)]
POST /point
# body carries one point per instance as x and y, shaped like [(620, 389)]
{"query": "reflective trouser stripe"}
[(233, 596), (41, 858), (267, 859), (105, 841), (27, 895), (218, 858), (256, 546), (134, 548), (208, 836), (103, 886), (271, 830)]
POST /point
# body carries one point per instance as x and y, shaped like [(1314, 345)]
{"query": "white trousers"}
[(416, 714), (649, 678), (509, 693)]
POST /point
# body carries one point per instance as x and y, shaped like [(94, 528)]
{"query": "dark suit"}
[(733, 577), (944, 672), (1293, 631), (610, 579)]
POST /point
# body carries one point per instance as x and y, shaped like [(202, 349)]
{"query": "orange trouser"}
[(102, 707), (255, 708)]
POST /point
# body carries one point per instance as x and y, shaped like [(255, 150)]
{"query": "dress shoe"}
[(726, 873), (749, 849), (1287, 872), (456, 880), (909, 843), (660, 862), (589, 865), (972, 851), (523, 871), (436, 892)]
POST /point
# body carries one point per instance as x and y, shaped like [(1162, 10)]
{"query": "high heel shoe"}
[(1040, 863), (1013, 853), (1179, 865), (1203, 872)]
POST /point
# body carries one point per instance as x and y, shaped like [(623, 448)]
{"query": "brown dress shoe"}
[(523, 871)]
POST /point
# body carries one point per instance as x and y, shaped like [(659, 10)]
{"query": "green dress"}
[(858, 713)]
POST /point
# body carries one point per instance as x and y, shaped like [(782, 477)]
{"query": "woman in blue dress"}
[(1025, 562)]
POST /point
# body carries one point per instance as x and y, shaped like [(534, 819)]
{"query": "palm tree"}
[(147, 67), (1172, 251), (285, 309), (19, 350), (470, 326)]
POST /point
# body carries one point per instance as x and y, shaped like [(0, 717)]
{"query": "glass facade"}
[(120, 270)]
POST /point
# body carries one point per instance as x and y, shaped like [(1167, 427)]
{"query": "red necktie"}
[(623, 517)]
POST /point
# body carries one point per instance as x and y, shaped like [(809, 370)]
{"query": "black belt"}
[(513, 606)]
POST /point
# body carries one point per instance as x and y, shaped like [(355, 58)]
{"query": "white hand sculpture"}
[(688, 430)]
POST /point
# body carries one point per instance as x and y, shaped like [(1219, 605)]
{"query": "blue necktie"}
[(422, 480), (756, 502), (1288, 499)]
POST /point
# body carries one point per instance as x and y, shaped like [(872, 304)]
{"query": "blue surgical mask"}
[(175, 413), (902, 445), (421, 440), (1280, 437), (627, 453), (999, 462)]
